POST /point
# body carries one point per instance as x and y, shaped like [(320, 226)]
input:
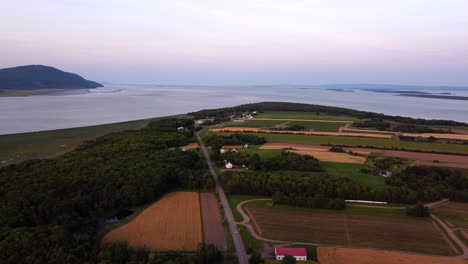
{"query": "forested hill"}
[(41, 77), (223, 113)]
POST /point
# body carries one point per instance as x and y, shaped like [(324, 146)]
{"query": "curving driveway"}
[(246, 222)]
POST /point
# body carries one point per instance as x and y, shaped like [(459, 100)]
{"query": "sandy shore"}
[(11, 93)]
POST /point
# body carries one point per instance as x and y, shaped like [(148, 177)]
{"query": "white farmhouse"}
[(228, 165)]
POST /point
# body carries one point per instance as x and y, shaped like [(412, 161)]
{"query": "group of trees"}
[(120, 253), (51, 209), (284, 161), (433, 183), (217, 141), (418, 210), (307, 189)]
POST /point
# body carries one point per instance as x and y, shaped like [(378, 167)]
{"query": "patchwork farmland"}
[(319, 153), (406, 234), (172, 223)]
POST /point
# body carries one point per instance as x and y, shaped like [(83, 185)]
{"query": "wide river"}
[(121, 103)]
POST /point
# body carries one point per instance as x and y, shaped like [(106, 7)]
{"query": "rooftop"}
[(291, 251)]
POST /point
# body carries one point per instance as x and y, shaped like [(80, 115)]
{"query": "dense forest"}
[(224, 113), (51, 209), (432, 183), (120, 253)]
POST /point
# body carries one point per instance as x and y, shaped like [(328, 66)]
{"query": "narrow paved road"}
[(238, 243)]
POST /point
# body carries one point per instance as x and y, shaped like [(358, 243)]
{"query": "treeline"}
[(433, 183), (224, 113), (320, 190), (284, 161), (120, 253), (51, 209), (217, 141)]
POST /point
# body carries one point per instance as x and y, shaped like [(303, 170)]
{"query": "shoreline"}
[(22, 93)]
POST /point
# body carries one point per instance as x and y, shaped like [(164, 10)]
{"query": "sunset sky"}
[(422, 42)]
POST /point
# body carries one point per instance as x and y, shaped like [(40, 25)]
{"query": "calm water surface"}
[(122, 103)]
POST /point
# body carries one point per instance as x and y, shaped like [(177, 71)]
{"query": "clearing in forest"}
[(172, 223)]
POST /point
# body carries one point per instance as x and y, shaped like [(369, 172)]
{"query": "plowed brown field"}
[(259, 130), (172, 223), (452, 208), (333, 255), (406, 234), (213, 231)]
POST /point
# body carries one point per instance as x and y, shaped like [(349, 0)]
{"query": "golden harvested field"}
[(259, 130), (369, 130), (333, 255), (308, 120), (395, 233), (447, 136), (321, 154), (172, 223), (191, 146)]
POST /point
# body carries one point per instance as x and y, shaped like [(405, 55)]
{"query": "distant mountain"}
[(34, 77)]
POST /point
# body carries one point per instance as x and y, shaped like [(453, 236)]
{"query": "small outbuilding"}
[(228, 165), (386, 174), (300, 254)]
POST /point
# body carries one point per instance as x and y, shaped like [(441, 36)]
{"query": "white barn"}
[(300, 254)]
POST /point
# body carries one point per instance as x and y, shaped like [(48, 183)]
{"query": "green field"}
[(20, 147), (354, 210), (265, 124), (318, 126), (352, 171), (304, 115), (361, 141), (264, 153), (236, 199), (249, 240)]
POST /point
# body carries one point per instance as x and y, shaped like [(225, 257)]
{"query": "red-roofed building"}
[(299, 254)]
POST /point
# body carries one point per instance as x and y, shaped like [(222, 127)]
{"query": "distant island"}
[(39, 77)]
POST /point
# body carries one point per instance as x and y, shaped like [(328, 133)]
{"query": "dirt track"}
[(213, 231)]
